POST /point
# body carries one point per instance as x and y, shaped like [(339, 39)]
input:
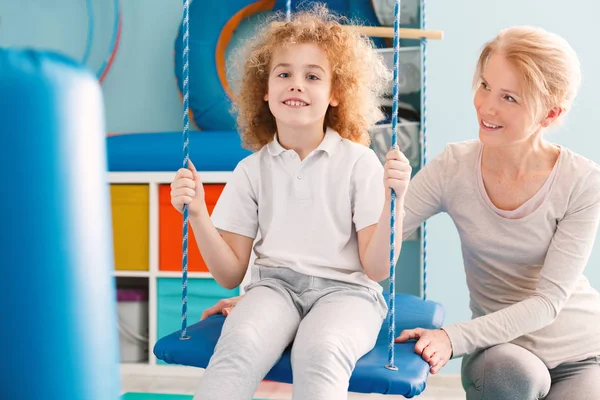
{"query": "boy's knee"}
[(244, 340), (323, 352)]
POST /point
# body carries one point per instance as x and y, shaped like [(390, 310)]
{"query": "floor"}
[(440, 387)]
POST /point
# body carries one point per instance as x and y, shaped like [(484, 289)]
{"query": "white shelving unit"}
[(154, 180)]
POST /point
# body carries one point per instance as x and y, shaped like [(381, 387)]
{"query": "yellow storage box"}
[(131, 225)]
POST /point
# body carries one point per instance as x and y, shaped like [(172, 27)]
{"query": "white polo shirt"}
[(306, 212)]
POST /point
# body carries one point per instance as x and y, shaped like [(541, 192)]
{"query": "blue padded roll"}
[(370, 374), (57, 300), (209, 151)]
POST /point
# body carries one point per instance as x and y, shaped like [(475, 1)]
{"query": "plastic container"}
[(131, 226), (171, 229), (407, 137), (133, 324), (202, 294), (409, 58)]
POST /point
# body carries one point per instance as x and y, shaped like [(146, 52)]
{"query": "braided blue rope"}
[(392, 302), (424, 134), (186, 158)]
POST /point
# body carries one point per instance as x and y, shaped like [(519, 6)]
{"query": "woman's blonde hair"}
[(548, 67), (358, 76)]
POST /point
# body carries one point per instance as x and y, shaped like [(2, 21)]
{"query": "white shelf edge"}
[(164, 177), (131, 274), (160, 274), (152, 320), (145, 369), (177, 274), (153, 256), (153, 226)]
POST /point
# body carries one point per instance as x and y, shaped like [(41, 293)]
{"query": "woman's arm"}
[(564, 264)]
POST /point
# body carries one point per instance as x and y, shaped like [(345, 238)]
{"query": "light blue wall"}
[(468, 24), (140, 93)]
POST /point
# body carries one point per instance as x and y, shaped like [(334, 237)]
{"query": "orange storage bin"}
[(171, 231), (131, 225)]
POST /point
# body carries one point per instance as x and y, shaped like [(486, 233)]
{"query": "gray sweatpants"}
[(331, 323), (510, 372)]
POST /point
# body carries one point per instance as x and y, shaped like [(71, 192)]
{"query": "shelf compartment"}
[(407, 134), (133, 319), (130, 220), (202, 294), (171, 231), (409, 78)]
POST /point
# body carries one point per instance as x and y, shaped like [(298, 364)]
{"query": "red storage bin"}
[(171, 231)]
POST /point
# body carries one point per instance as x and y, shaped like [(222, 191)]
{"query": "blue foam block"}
[(370, 374), (163, 151), (56, 241)]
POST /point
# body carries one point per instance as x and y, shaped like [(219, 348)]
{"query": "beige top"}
[(525, 275), (526, 208)]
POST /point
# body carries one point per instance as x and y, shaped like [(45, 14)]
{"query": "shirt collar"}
[(328, 144)]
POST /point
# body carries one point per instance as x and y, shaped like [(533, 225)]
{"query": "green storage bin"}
[(202, 294)]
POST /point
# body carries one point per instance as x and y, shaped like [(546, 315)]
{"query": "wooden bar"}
[(388, 32), (405, 33)]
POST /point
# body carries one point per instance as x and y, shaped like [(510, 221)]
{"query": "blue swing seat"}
[(370, 374)]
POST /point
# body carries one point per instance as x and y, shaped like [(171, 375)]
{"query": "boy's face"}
[(299, 88)]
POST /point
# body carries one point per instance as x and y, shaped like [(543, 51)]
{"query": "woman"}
[(527, 212)]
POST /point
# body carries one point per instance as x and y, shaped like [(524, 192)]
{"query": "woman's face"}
[(503, 116)]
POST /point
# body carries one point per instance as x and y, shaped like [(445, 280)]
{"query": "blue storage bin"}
[(202, 294)]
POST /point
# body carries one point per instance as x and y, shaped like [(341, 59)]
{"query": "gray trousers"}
[(332, 324), (510, 372)]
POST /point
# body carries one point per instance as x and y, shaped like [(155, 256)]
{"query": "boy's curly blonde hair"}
[(359, 76)]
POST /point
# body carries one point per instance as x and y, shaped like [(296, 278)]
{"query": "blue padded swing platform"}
[(370, 374)]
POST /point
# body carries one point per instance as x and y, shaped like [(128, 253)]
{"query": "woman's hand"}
[(223, 306), (433, 345)]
